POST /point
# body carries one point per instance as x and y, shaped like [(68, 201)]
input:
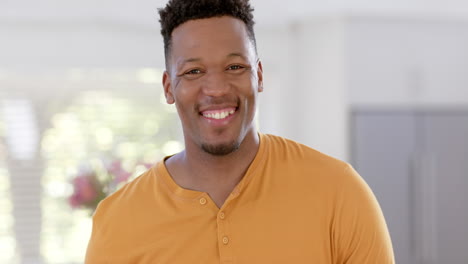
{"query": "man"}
[(233, 195)]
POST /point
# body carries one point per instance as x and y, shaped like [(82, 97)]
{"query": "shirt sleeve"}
[(359, 230), (95, 253)]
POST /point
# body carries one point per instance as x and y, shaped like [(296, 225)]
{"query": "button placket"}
[(203, 201), (222, 215), (225, 238)]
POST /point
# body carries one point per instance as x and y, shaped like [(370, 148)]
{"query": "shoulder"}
[(290, 152), (120, 206), (297, 160), (318, 169), (133, 189)]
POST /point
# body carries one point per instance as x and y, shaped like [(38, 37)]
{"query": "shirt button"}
[(222, 216), (225, 240), (202, 201)]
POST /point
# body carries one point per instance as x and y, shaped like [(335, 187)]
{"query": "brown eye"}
[(235, 67), (193, 72)]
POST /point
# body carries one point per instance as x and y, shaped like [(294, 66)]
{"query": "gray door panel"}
[(446, 140), (382, 150), (416, 162)]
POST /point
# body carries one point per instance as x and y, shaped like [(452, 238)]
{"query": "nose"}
[(215, 84)]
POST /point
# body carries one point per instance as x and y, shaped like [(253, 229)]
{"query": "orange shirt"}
[(294, 205)]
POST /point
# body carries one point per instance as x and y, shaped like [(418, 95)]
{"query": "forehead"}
[(217, 36)]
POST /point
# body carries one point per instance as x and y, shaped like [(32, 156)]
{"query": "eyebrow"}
[(183, 62), (235, 54)]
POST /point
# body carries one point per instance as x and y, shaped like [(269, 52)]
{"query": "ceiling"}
[(266, 11)]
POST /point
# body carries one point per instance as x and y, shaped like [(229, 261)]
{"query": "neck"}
[(196, 159), (197, 170)]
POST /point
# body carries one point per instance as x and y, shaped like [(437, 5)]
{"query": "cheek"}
[(184, 94), (250, 103), (185, 102), (244, 84)]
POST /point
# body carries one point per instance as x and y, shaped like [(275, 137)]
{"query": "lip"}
[(217, 109)]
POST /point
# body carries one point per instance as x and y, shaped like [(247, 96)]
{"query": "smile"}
[(218, 114)]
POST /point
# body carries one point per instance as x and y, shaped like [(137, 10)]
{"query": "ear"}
[(167, 85), (260, 76)]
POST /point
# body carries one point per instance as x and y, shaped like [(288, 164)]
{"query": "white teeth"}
[(218, 115)]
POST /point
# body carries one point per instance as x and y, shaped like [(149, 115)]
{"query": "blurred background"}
[(380, 84)]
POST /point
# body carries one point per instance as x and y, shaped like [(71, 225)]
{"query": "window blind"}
[(100, 117)]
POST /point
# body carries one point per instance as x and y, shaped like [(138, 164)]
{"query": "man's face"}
[(213, 77)]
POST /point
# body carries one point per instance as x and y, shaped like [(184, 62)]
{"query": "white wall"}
[(408, 61), (73, 44), (305, 95), (324, 67), (315, 69)]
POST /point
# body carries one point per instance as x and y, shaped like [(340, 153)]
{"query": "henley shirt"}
[(293, 205)]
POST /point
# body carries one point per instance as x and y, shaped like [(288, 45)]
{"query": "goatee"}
[(220, 149)]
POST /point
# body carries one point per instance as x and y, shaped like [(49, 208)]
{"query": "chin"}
[(221, 149)]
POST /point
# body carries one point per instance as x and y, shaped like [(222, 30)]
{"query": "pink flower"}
[(119, 173), (86, 190), (74, 201), (89, 190)]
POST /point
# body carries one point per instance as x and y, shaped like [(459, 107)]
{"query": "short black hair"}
[(178, 12)]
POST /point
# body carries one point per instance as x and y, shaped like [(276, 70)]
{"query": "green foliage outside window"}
[(7, 236), (95, 131)]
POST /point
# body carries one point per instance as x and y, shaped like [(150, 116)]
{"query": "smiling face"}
[(214, 77)]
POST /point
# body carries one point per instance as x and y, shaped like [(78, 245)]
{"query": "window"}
[(78, 120), (97, 128), (7, 236)]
